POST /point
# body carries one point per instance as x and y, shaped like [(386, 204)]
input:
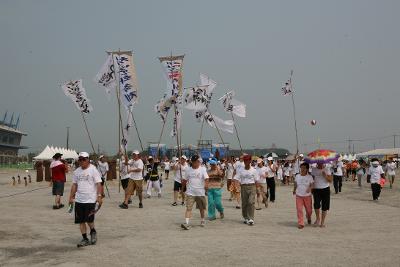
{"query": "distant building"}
[(10, 140)]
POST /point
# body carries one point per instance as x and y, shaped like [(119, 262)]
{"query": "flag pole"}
[(294, 114)]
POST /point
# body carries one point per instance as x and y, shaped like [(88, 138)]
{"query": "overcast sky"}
[(345, 56)]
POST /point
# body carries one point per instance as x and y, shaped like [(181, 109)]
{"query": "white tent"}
[(380, 152), (48, 153)]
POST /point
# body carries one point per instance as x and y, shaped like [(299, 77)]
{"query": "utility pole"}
[(68, 137)]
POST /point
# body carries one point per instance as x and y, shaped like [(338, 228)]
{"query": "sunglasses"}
[(82, 159)]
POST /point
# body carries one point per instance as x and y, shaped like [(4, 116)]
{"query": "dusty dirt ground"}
[(359, 232)]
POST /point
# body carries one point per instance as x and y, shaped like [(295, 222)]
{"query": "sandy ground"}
[(359, 232)]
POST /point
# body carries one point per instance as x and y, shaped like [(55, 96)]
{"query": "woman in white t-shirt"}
[(322, 194), (303, 185), (167, 166), (229, 175), (391, 172)]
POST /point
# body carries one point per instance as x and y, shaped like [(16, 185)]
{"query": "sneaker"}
[(238, 207), (308, 221), (61, 206), (83, 243), (203, 223), (212, 219), (140, 205), (183, 203), (174, 204), (147, 196), (55, 207), (93, 238), (185, 226), (246, 221), (159, 195), (258, 208), (123, 206), (250, 222), (130, 201), (300, 226), (221, 215)]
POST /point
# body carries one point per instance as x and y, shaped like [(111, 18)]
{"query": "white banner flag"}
[(162, 108), (172, 67), (214, 121), (233, 105), (177, 119), (106, 76), (75, 91), (123, 63)]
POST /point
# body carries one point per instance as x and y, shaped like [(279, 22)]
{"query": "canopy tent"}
[(380, 152), (271, 154), (48, 153)]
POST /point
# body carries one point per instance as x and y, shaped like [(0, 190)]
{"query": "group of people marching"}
[(251, 183)]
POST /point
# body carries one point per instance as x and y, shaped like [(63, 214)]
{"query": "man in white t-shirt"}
[(374, 174), (303, 185), (179, 169), (235, 184), (338, 170), (167, 166), (321, 192), (102, 166), (135, 182), (391, 172), (261, 187), (86, 191), (229, 175), (248, 177), (123, 170), (195, 179)]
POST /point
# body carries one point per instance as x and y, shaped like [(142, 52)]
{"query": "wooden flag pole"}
[(294, 114)]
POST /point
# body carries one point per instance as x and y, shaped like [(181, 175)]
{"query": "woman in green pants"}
[(214, 193)]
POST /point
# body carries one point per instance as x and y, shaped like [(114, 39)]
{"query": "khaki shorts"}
[(201, 203), (134, 185), (261, 188)]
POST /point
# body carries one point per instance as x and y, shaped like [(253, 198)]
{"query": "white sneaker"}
[(250, 222), (203, 223), (246, 221)]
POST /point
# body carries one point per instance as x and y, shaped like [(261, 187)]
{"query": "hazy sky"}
[(345, 56)]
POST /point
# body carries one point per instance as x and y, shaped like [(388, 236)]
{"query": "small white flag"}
[(233, 105), (106, 76), (75, 91), (216, 122)]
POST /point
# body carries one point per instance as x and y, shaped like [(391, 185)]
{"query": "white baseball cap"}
[(184, 157), (135, 152), (301, 155), (149, 157), (83, 155), (270, 158)]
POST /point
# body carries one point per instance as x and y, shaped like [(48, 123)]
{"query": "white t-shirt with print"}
[(86, 180), (262, 174), (249, 176), (229, 172), (238, 165), (103, 168), (375, 173), (270, 172), (339, 170), (319, 181), (303, 183), (123, 169), (177, 176), (136, 164), (195, 181)]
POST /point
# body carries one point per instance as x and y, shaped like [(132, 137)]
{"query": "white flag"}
[(197, 98), (127, 78), (172, 67), (233, 105), (106, 76), (162, 108), (206, 81), (216, 122), (75, 91)]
